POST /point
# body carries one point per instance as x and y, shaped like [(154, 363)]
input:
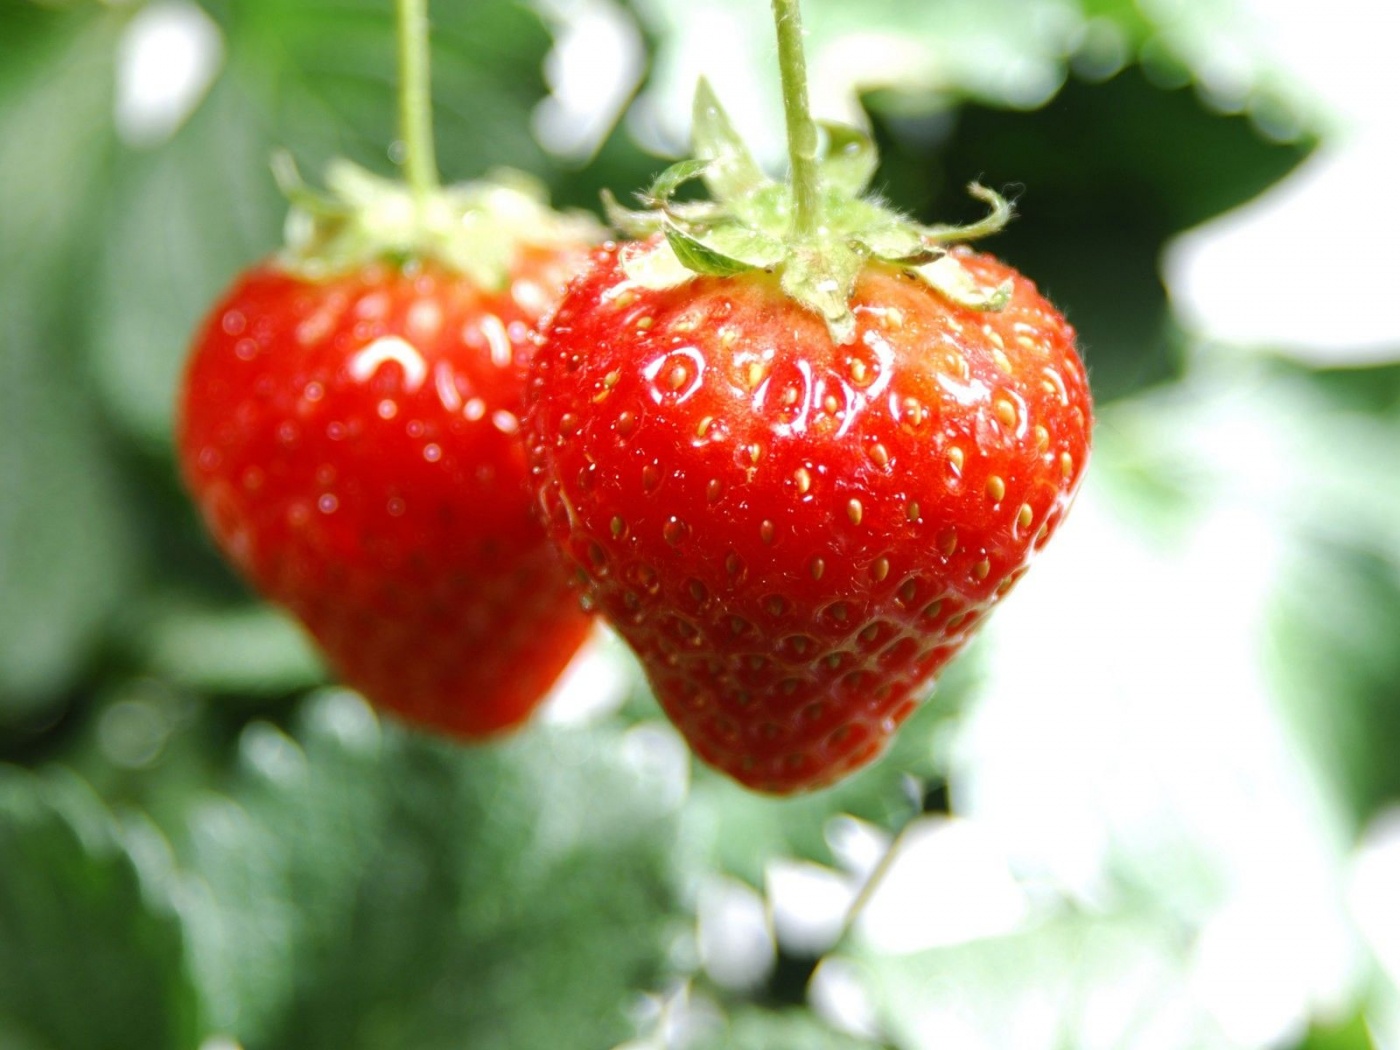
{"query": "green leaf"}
[(91, 950), (731, 173), (698, 256), (850, 160), (65, 545), (518, 895), (658, 195), (273, 867), (951, 279), (358, 887)]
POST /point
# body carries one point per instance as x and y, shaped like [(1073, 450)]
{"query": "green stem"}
[(801, 130), (872, 882), (415, 99)]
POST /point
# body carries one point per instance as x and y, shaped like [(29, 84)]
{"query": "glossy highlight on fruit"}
[(796, 534), (353, 445)]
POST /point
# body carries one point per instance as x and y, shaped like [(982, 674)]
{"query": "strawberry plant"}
[(349, 428), (797, 446)]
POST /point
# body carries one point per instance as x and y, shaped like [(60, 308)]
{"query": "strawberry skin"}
[(353, 446), (796, 535)]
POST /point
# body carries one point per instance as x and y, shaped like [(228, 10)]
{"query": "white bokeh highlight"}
[(169, 54)]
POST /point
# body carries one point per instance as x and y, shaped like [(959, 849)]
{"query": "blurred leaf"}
[(1352, 1033), (325, 73), (182, 220), (274, 865), (1112, 171), (63, 545), (91, 955), (1075, 980), (754, 1029), (358, 891), (251, 650), (519, 896)]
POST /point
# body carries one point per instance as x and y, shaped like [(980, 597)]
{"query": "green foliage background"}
[(203, 843)]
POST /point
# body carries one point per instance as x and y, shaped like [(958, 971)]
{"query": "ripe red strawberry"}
[(793, 533), (352, 441)]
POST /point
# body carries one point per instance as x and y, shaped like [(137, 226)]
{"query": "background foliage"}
[(1155, 807)]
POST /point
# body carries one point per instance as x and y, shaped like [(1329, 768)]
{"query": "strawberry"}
[(349, 429), (795, 505)]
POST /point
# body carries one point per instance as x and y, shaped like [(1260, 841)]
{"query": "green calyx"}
[(474, 228), (749, 225)]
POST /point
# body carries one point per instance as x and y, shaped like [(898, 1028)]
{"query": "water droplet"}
[(396, 507), (233, 322), (505, 421), (327, 504), (432, 453), (388, 409)]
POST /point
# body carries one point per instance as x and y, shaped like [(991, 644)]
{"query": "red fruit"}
[(796, 534), (352, 443)]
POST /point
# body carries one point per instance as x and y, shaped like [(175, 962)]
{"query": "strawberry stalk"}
[(818, 231), (474, 229), (801, 129), (415, 100)]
